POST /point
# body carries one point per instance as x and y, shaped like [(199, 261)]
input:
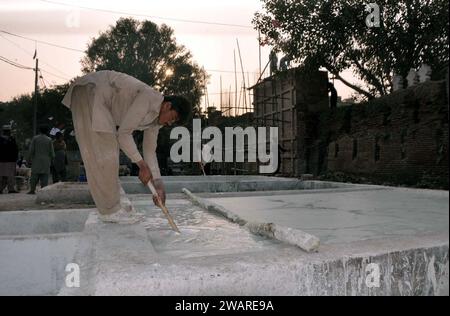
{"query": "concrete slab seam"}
[(296, 237)]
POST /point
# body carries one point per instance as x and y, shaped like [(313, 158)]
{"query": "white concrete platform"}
[(401, 233), (35, 247), (338, 217), (213, 256)]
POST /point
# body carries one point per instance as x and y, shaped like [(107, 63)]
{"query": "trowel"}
[(163, 207)]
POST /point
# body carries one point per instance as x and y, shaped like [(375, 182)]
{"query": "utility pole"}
[(259, 51), (221, 100), (36, 91), (243, 77), (235, 83), (249, 94), (206, 95)]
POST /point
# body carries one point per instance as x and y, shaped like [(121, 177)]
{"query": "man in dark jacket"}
[(8, 157), (59, 163)]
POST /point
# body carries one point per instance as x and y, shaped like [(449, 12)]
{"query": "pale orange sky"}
[(211, 45)]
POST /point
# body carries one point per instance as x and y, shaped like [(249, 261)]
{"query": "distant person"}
[(334, 95), (8, 157), (281, 150), (285, 62), (273, 62), (20, 161), (59, 128), (41, 155), (59, 163)]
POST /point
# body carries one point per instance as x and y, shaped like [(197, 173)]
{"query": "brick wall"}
[(400, 138)]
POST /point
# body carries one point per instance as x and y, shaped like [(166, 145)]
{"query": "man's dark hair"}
[(182, 106), (43, 129)]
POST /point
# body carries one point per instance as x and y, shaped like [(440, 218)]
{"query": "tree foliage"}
[(50, 111), (333, 34), (150, 53), (140, 49)]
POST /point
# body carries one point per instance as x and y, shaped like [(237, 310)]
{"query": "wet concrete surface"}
[(338, 217), (213, 256), (202, 233), (403, 232)]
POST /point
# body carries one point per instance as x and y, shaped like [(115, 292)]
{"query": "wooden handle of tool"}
[(169, 218), (163, 207), (152, 188)]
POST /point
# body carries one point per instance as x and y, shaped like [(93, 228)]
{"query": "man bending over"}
[(107, 106)]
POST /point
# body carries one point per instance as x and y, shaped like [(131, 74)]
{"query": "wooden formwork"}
[(279, 101)]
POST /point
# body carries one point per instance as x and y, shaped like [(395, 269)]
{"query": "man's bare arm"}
[(145, 175)]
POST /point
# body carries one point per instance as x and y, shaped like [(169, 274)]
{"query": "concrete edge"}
[(69, 210), (41, 236), (54, 192), (295, 237), (283, 192), (297, 273)]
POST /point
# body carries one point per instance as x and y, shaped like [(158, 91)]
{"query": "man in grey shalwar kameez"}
[(107, 106), (40, 155)]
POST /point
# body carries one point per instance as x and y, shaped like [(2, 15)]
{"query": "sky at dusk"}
[(211, 45)]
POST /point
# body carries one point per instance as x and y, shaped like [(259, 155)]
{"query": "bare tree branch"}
[(350, 85)]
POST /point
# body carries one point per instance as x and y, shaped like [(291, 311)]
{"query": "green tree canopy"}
[(140, 49), (20, 110), (150, 53), (333, 34)]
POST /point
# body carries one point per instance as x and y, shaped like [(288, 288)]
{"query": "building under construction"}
[(400, 138), (289, 100)]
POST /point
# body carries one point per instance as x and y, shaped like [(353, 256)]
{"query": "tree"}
[(149, 53), (20, 110), (333, 34)]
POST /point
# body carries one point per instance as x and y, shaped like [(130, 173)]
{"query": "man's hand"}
[(145, 175), (159, 186)]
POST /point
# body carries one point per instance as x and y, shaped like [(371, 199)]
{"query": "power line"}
[(78, 50), (42, 42), (224, 93), (15, 44), (149, 16), (228, 71), (31, 54), (53, 74), (15, 64), (42, 79)]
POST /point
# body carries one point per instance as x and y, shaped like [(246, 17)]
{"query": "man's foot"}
[(122, 217), (126, 205), (31, 192)]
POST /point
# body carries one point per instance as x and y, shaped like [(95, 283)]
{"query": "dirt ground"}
[(26, 202)]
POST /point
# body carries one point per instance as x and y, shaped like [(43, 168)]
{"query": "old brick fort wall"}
[(401, 138)]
